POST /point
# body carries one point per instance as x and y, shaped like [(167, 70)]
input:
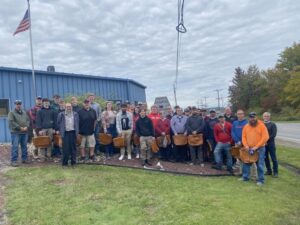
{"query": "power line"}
[(218, 92)]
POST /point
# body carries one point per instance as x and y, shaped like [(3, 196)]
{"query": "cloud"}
[(137, 39)]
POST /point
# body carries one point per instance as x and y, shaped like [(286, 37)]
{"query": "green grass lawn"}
[(288, 155), (106, 195)]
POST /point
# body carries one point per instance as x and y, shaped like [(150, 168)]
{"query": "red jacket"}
[(154, 117), (221, 134), (162, 126)]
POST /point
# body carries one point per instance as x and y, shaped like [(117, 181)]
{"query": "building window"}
[(4, 107)]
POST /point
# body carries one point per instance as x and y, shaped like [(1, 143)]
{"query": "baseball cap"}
[(18, 102), (39, 97), (212, 110), (86, 101), (252, 114), (45, 100)]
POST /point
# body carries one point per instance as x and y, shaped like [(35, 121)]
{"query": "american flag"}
[(24, 24)]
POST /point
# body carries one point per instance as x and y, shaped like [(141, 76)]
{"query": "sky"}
[(137, 39)]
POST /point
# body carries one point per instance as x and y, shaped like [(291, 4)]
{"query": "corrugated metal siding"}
[(17, 84)]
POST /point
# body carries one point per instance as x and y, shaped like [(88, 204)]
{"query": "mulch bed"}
[(164, 166)]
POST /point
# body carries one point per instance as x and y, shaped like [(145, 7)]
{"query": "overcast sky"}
[(136, 39)]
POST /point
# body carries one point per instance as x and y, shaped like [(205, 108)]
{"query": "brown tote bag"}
[(105, 139), (195, 139), (180, 140), (154, 147), (247, 158), (119, 142), (235, 151), (160, 140), (41, 141)]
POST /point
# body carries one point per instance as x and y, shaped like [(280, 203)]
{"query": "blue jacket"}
[(61, 122), (236, 130)]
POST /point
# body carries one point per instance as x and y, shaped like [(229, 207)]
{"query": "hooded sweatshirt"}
[(144, 127), (256, 136)]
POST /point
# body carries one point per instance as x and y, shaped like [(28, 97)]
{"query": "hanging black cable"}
[(180, 29)]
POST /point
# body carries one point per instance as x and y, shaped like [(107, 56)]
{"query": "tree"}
[(292, 89)]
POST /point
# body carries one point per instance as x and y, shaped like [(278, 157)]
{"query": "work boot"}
[(14, 164), (148, 163)]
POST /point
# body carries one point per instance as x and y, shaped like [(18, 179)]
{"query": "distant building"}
[(17, 84), (162, 103)]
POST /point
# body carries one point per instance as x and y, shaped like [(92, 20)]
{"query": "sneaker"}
[(230, 171), (121, 157), (82, 159), (129, 156), (148, 163), (14, 164), (216, 167), (144, 163), (268, 173), (259, 183), (242, 179), (26, 161), (191, 163), (93, 158), (275, 175), (137, 156)]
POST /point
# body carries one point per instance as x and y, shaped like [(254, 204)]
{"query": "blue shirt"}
[(236, 130)]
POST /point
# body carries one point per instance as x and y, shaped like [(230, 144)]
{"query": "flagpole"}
[(31, 51)]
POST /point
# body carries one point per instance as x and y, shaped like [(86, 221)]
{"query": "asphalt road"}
[(289, 132)]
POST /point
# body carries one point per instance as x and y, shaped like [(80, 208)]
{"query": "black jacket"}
[(272, 130), (144, 127), (195, 123), (46, 118)]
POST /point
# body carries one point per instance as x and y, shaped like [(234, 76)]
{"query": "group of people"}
[(73, 123)]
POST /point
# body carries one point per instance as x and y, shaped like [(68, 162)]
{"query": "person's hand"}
[(57, 132), (194, 132), (25, 128), (251, 151), (255, 148), (153, 138), (105, 131), (247, 148), (185, 134), (41, 132), (175, 134), (163, 133)]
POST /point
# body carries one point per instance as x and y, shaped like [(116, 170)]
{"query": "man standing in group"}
[(94, 105), (32, 113), (87, 124), (222, 133), (236, 133), (209, 134), (154, 116), (18, 123), (54, 105), (124, 124), (145, 130), (254, 137), (68, 125), (46, 125), (75, 106), (195, 125), (228, 115), (270, 146), (178, 122)]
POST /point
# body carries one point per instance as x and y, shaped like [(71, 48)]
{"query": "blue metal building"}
[(17, 84)]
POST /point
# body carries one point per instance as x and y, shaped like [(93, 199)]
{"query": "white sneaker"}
[(121, 157), (137, 156), (129, 156)]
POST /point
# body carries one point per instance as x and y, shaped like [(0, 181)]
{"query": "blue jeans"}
[(220, 148), (16, 140), (271, 149), (109, 149), (260, 164)]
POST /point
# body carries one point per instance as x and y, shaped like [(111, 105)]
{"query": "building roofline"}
[(2, 68)]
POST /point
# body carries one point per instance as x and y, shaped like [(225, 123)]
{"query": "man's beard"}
[(253, 123)]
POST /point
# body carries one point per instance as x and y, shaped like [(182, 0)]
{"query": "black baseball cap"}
[(18, 102), (45, 100), (252, 114), (212, 110), (39, 97), (56, 96), (221, 116), (86, 101)]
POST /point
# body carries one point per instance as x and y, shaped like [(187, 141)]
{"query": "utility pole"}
[(218, 92), (205, 104)]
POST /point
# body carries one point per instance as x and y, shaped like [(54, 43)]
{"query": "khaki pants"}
[(127, 135), (146, 147), (46, 152)]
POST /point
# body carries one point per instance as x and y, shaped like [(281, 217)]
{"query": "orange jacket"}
[(255, 136)]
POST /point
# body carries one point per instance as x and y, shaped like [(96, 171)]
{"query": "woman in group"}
[(109, 127), (136, 116)]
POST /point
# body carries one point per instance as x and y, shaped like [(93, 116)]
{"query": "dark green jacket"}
[(16, 120)]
